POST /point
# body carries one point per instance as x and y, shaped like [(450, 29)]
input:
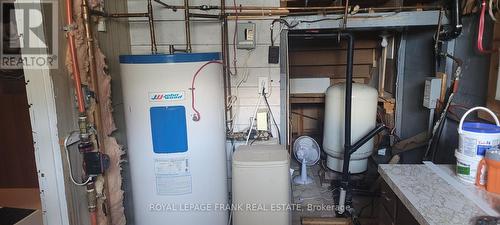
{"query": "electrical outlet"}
[(263, 84)]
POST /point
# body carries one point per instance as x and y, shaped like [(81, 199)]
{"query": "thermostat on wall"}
[(246, 35)]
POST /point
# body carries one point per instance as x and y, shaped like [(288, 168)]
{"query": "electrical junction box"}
[(246, 35), (262, 120), (432, 92)]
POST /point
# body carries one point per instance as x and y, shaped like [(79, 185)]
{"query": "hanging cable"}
[(281, 21), (490, 11), (197, 115), (480, 32)]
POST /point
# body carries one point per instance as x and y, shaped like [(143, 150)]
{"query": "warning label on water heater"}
[(173, 185), (173, 176)]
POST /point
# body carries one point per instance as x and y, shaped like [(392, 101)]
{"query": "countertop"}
[(433, 198)]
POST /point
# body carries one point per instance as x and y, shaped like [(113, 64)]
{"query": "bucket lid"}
[(261, 156), (484, 128)]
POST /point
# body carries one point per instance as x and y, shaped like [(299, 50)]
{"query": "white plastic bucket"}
[(467, 167), (476, 138)]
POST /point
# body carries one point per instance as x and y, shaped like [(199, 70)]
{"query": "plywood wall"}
[(17, 159)]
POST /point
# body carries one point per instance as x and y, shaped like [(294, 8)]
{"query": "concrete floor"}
[(316, 200)]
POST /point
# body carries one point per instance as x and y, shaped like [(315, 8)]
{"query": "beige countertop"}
[(430, 193)]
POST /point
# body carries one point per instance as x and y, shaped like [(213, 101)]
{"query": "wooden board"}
[(307, 119), (359, 71), (355, 80), (307, 98), (325, 221), (329, 57), (360, 44)]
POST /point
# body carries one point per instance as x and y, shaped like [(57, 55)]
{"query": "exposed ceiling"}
[(361, 3)]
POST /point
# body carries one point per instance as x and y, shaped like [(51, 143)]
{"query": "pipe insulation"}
[(109, 192)]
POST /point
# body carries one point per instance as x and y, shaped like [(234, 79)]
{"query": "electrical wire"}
[(197, 115), (320, 20), (490, 10), (69, 162), (272, 115), (233, 99), (230, 217), (283, 22)]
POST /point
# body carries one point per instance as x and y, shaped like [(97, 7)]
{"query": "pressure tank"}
[(364, 116), (177, 158)]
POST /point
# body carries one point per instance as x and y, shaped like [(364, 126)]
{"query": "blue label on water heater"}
[(168, 129)]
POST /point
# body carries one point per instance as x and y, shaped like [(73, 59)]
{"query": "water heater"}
[(177, 162), (364, 118)]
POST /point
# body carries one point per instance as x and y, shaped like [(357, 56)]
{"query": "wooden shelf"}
[(307, 98)]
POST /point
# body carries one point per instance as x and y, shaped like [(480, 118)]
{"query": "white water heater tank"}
[(177, 164), (364, 118)]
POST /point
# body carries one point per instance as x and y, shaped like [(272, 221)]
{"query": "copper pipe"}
[(240, 8), (93, 218), (92, 203), (94, 85), (154, 48), (258, 14), (187, 26), (93, 73), (317, 8), (117, 15), (346, 11), (225, 61), (74, 58), (127, 15)]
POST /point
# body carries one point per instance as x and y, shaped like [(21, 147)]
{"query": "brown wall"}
[(17, 158)]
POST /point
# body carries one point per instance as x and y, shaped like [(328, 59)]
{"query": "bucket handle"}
[(460, 130)]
